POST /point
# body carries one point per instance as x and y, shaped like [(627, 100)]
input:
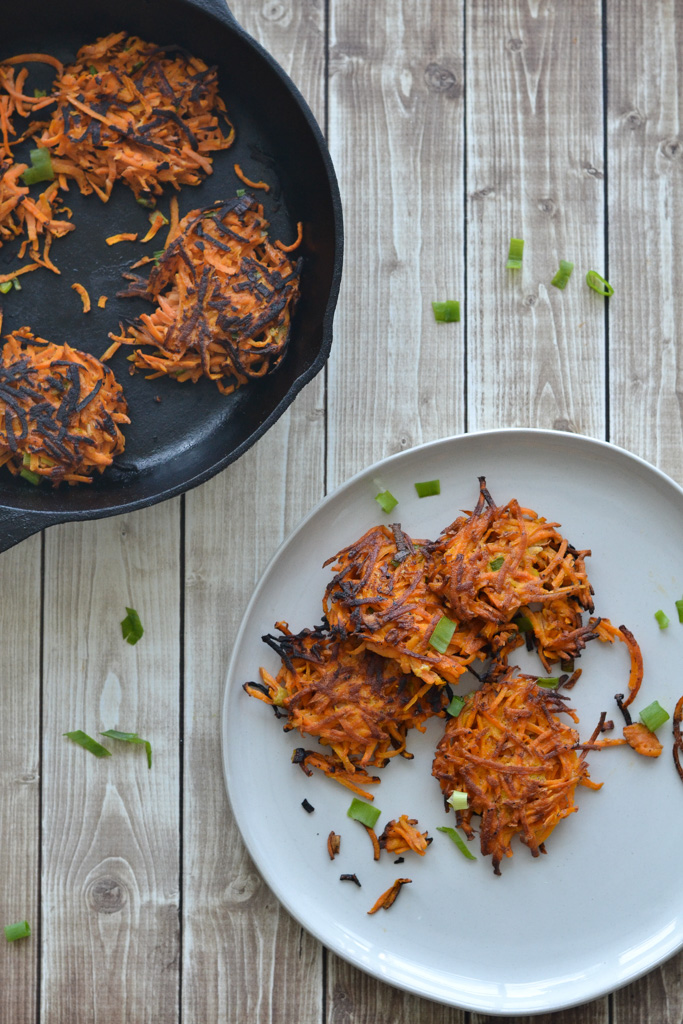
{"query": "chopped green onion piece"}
[(598, 283), (428, 488), (515, 254), (19, 930), (15, 284), (83, 740), (567, 666), (563, 274), (131, 627), (386, 501), (5, 286), (653, 716), (157, 213), (496, 563), (548, 682), (366, 814), (662, 619), (446, 312), (455, 707), (39, 93), (92, 69), (130, 737), (157, 255), (523, 623), (457, 839), (40, 169), (679, 609), (240, 192), (441, 637), (458, 800), (149, 204), (29, 475)]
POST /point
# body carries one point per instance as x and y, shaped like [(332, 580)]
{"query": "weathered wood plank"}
[(396, 376), (396, 121), (20, 575), (110, 826), (535, 171), (244, 957), (645, 176)]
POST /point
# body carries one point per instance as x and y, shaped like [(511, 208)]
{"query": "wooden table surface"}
[(453, 125)]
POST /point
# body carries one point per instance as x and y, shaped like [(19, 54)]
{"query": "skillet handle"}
[(16, 525)]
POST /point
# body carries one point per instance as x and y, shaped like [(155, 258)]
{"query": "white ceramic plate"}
[(606, 903)]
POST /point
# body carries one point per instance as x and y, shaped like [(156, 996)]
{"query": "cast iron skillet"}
[(180, 435)]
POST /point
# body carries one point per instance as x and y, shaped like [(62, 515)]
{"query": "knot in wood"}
[(514, 45), (671, 149), (593, 171), (274, 11), (563, 424), (547, 206), (106, 895), (634, 120), (484, 193), (531, 300), (442, 80)]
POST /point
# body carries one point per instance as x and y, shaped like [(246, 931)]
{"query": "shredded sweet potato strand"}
[(389, 897), (403, 835), (30, 218)]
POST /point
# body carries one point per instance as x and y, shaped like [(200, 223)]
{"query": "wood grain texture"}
[(645, 90), (244, 958), (396, 138), (535, 170), (645, 176), (110, 826), (20, 576)]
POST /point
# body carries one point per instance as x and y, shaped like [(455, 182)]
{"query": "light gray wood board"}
[(244, 957), (535, 171), (20, 767), (110, 838)]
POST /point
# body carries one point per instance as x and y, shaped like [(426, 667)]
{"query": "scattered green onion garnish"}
[(457, 839), (19, 930), (366, 814), (598, 283), (441, 637), (653, 716), (92, 69), (40, 169), (662, 619), (458, 800), (240, 192), (130, 737), (157, 213), (563, 274), (455, 707), (446, 312), (496, 563), (548, 682), (515, 254), (523, 623), (131, 627), (39, 93), (16, 284), (149, 204), (29, 475), (428, 488), (386, 501), (157, 255), (5, 286), (679, 609), (83, 740)]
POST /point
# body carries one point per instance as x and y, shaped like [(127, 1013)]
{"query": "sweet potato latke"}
[(225, 296), (60, 411), (517, 762), (352, 700), (379, 596), (501, 560), (132, 111)]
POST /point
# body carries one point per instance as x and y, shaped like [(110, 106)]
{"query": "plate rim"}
[(271, 878)]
